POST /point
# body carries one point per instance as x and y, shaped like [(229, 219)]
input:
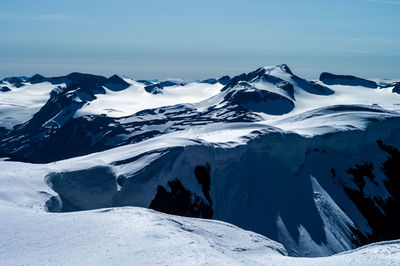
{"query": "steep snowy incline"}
[(136, 236)]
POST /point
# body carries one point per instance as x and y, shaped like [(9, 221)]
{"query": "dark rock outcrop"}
[(256, 100), (157, 88), (382, 214), (396, 88), (180, 201), (332, 79), (4, 89)]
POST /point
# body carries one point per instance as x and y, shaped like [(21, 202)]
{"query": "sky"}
[(199, 39)]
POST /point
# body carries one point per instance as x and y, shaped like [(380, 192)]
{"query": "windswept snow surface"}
[(126, 236)]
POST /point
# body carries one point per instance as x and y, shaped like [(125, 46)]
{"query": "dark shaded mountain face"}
[(87, 82), (157, 88), (4, 89), (115, 83), (180, 201), (382, 213), (16, 81), (331, 79), (223, 80), (259, 100), (396, 88)]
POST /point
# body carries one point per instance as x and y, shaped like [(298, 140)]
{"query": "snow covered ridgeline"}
[(93, 113)]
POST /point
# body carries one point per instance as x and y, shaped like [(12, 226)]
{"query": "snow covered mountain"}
[(312, 165), (136, 236)]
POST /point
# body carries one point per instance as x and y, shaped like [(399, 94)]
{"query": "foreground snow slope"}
[(126, 236), (136, 236)]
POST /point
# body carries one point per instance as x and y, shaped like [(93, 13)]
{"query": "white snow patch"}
[(20, 104), (135, 98)]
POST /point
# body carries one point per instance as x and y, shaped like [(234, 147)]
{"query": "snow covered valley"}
[(309, 168)]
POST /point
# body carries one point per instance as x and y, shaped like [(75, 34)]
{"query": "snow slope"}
[(137, 236), (126, 236)]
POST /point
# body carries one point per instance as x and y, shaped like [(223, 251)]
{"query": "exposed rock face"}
[(4, 89), (383, 214), (396, 88), (157, 88)]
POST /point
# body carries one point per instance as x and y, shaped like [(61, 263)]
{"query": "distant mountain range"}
[(313, 165)]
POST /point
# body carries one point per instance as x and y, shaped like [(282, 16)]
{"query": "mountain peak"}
[(116, 83), (36, 79), (37, 76), (259, 73), (283, 67)]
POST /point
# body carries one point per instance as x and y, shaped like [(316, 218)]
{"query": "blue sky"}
[(199, 39)]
